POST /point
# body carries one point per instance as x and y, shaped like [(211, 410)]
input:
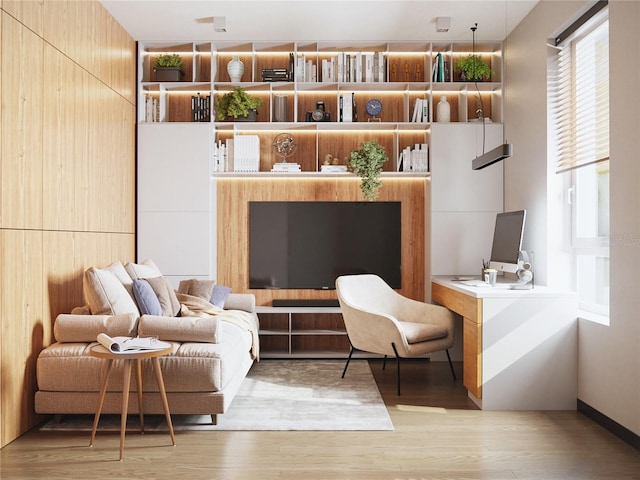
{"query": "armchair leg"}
[(384, 362), (453, 372), (348, 360), (393, 345)]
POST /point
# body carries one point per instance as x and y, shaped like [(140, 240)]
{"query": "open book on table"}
[(130, 344)]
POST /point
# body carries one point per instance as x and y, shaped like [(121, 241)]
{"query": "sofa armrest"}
[(180, 329), (85, 328), (241, 301)]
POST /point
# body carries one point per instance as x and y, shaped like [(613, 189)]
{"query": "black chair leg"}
[(453, 372), (348, 360), (393, 345), (384, 362)]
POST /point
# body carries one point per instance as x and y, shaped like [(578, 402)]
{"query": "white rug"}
[(279, 395)]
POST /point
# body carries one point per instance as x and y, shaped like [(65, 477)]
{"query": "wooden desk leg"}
[(103, 391), (163, 395), (139, 389), (126, 383)]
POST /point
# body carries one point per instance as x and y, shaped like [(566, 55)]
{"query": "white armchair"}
[(380, 320)]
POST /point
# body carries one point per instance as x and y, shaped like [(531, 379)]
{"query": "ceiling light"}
[(220, 24), (443, 24)]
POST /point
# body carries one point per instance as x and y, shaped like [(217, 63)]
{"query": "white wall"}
[(609, 356)]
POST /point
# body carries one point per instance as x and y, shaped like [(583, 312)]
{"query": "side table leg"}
[(103, 391), (163, 395), (139, 389), (126, 383)]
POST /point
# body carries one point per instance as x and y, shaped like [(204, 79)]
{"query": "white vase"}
[(235, 69), (444, 110)]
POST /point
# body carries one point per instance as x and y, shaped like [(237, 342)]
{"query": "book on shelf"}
[(416, 160), (200, 108), (246, 153), (420, 111), (151, 109), (130, 344), (333, 168)]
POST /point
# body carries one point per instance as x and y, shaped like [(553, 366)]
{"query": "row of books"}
[(238, 154), (440, 71), (151, 109), (343, 67), (420, 111), (200, 108), (414, 160)]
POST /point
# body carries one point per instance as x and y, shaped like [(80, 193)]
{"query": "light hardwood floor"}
[(439, 434)]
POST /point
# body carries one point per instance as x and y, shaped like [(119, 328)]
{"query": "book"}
[(130, 344)]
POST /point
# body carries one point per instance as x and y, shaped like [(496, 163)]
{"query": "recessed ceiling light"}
[(220, 24), (443, 24)]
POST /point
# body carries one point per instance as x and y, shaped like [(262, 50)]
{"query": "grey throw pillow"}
[(146, 298)]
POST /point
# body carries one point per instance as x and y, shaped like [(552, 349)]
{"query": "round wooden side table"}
[(101, 352)]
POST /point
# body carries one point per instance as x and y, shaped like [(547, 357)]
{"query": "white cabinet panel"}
[(459, 241), (178, 242), (173, 167), (455, 186)]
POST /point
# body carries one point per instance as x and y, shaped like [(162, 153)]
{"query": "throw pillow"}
[(145, 269), (166, 296), (219, 295), (146, 298), (197, 288), (105, 294)]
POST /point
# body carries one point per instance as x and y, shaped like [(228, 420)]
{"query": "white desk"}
[(520, 346)]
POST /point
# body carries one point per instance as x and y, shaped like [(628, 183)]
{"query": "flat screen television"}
[(507, 241), (307, 245)]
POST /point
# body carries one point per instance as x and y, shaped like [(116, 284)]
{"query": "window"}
[(579, 97)]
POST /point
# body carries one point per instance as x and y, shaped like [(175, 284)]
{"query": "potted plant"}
[(237, 105), (472, 68), (168, 68), (367, 162)]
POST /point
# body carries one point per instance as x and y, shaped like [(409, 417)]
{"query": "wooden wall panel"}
[(22, 327), (233, 195), (28, 13), (22, 68), (67, 163)]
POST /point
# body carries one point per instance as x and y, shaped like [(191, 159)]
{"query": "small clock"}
[(374, 107)]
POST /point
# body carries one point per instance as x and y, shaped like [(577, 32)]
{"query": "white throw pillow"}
[(105, 294)]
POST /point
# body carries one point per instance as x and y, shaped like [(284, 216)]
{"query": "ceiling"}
[(314, 21)]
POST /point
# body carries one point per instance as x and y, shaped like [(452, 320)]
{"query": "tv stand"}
[(304, 303)]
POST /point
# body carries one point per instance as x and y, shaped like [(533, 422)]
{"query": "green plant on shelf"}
[(472, 68), (168, 60), (236, 103), (367, 163)]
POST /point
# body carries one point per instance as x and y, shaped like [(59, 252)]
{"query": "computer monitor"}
[(507, 241)]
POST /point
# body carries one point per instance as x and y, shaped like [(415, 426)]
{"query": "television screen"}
[(507, 240), (309, 244)]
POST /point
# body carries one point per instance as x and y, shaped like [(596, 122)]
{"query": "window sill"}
[(593, 317)]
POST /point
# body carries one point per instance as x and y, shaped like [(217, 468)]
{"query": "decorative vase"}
[(235, 69), (444, 110)]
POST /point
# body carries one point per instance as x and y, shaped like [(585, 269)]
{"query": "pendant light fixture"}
[(499, 153)]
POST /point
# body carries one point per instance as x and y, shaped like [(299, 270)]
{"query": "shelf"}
[(315, 175)]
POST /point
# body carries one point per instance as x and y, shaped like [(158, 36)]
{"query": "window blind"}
[(580, 90)]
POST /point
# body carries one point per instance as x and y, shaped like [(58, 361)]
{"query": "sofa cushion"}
[(219, 295), (197, 288), (145, 269), (183, 329), (146, 298), (166, 296), (85, 328), (106, 294)]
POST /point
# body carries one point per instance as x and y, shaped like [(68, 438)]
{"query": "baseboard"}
[(614, 427)]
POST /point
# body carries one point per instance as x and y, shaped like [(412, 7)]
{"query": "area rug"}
[(279, 395)]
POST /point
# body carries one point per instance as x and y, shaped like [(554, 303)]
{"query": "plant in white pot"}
[(367, 163)]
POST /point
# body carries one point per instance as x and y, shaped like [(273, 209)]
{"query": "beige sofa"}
[(213, 347)]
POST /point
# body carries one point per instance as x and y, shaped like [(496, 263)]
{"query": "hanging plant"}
[(472, 68), (367, 163)]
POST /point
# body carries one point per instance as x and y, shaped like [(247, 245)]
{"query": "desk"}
[(101, 352), (519, 346)]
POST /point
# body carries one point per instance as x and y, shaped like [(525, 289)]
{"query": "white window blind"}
[(580, 93)]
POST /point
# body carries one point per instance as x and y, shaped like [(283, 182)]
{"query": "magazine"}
[(130, 344)]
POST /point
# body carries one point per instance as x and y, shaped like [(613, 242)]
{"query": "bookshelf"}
[(402, 74)]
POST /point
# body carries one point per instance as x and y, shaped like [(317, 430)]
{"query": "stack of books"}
[(200, 108), (286, 167), (333, 168), (276, 75)]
